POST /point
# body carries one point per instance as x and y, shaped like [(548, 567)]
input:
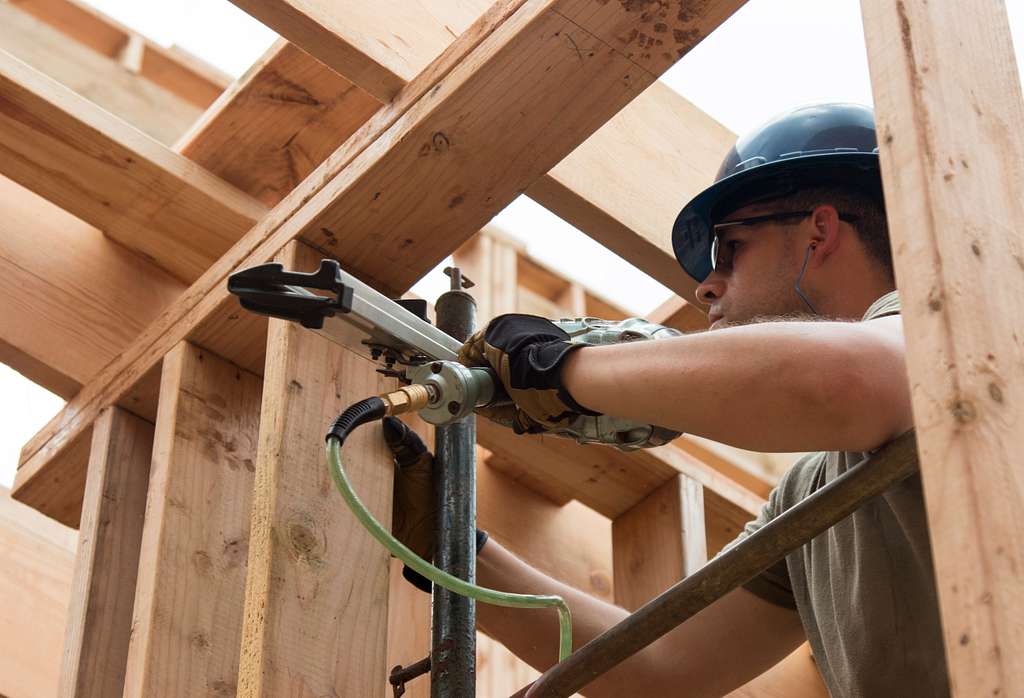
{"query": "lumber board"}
[(658, 542), (277, 123), (626, 184), (348, 183), (74, 301), (37, 556), (187, 618), (951, 137), (676, 312), (605, 479), (174, 70), (316, 604), (153, 110), (99, 617), (105, 172), (349, 36), (664, 148)]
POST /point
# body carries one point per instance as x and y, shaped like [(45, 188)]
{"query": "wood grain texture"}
[(951, 136), (658, 542), (37, 557), (74, 301), (380, 46), (277, 123), (97, 167), (625, 185), (187, 620), (148, 107), (99, 618), (172, 69), (316, 604)]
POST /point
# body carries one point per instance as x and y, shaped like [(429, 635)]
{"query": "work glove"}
[(527, 352), (414, 510)]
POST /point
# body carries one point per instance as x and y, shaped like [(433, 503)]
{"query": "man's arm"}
[(729, 643), (774, 386)]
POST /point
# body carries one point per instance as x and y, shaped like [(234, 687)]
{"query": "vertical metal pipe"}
[(453, 653)]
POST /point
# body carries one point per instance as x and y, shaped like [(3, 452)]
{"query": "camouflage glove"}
[(527, 352)]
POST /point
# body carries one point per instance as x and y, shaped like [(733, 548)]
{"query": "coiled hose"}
[(375, 408)]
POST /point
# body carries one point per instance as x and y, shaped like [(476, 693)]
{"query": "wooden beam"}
[(277, 123), (99, 618), (172, 69), (678, 313), (73, 298), (95, 166), (187, 622), (658, 542), (951, 137), (316, 604), (416, 216), (153, 110), (625, 185), (37, 556), (664, 148), (348, 37)]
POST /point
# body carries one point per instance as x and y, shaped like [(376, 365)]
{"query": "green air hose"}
[(365, 411)]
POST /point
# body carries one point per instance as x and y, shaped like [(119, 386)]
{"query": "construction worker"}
[(790, 249)]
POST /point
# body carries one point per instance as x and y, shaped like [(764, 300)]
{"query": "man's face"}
[(761, 264)]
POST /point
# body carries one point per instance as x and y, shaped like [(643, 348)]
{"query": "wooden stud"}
[(950, 120), (37, 556), (187, 621), (99, 618), (316, 604), (658, 542)]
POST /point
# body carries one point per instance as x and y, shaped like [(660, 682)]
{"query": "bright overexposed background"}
[(768, 57)]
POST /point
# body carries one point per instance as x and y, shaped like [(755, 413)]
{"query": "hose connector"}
[(409, 398)]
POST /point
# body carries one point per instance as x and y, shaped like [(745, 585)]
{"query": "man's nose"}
[(711, 289)]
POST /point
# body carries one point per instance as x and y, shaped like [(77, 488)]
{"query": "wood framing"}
[(658, 542), (951, 136), (133, 188), (150, 108), (99, 618), (464, 77), (187, 619), (316, 601), (37, 556)]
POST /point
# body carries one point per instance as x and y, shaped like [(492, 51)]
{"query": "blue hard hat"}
[(823, 144)]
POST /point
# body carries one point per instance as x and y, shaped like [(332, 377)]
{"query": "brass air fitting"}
[(409, 398)]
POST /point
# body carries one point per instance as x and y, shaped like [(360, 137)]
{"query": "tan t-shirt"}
[(864, 589)]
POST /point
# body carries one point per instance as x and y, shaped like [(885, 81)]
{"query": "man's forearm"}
[(780, 386), (716, 651), (532, 635)]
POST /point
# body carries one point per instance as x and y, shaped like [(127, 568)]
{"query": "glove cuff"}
[(424, 584)]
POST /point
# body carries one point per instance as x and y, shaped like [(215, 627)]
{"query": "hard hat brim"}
[(692, 233)]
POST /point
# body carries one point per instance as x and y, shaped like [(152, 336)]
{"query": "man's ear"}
[(825, 236)]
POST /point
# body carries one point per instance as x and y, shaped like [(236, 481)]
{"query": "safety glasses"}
[(722, 255)]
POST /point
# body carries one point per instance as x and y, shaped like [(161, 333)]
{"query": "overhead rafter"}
[(418, 178), (664, 149), (99, 168), (147, 106)]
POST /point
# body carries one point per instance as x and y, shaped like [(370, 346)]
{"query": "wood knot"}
[(963, 411), (995, 392)]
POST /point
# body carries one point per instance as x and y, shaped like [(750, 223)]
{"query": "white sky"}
[(770, 56)]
